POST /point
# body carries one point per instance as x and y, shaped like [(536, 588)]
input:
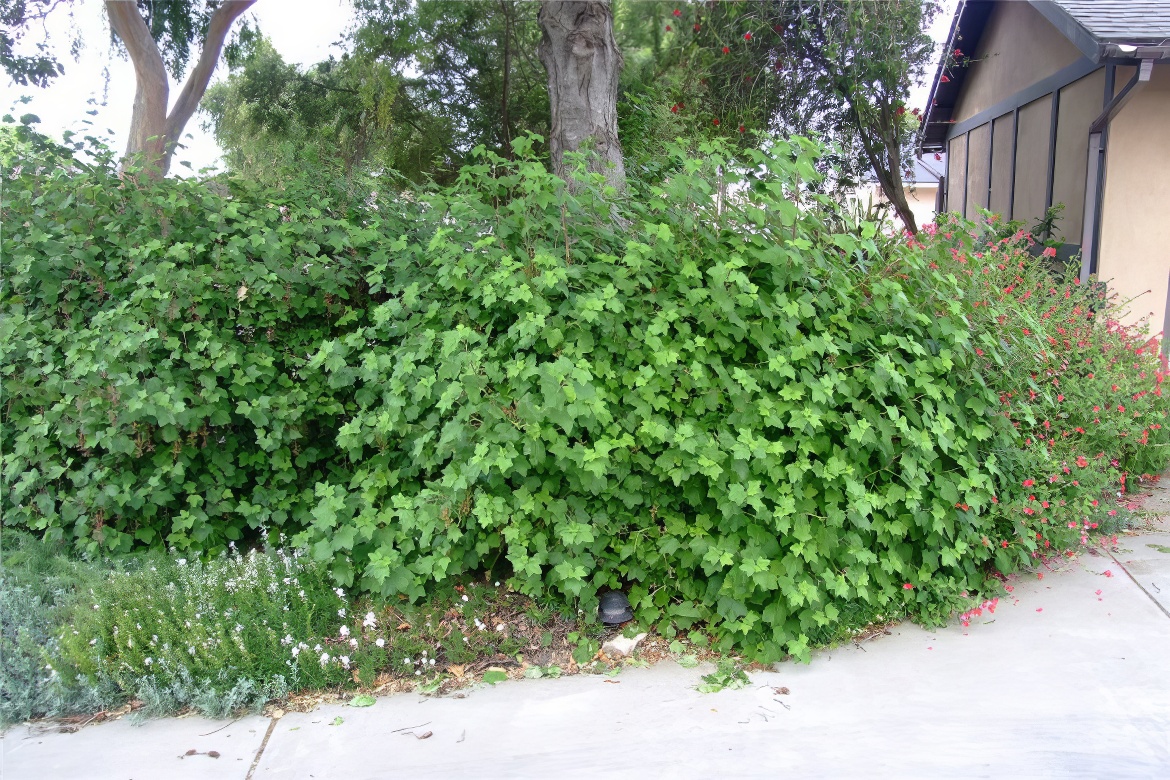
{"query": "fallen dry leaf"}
[(424, 735), (213, 753), (403, 626), (614, 682), (456, 670), (781, 691)]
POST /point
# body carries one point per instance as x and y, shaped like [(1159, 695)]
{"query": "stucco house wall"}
[(1016, 123), (1135, 220)]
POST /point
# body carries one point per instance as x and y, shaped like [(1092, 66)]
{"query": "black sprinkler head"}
[(614, 608)]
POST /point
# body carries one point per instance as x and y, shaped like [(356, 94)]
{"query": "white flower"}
[(500, 627), (130, 642), (340, 593), (370, 621), (344, 631), (432, 662), (93, 641), (406, 661), (341, 613), (288, 640), (464, 597), (317, 649), (497, 584), (191, 650), (417, 673), (344, 661), (380, 642), (324, 658), (182, 561), (296, 651), (149, 661), (353, 643)]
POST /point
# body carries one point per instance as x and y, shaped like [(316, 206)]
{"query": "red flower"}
[(958, 53), (716, 121), (945, 79), (907, 586), (1029, 483), (697, 27), (1082, 461), (674, 109), (1040, 576), (726, 50), (668, 28), (742, 128), (677, 12), (747, 36)]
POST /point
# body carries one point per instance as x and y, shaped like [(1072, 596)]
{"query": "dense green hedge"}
[(715, 393)]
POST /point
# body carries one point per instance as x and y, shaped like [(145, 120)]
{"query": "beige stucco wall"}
[(978, 169), (1003, 131), (956, 172), (1080, 103), (1135, 221), (1018, 48), (920, 197), (1032, 160)]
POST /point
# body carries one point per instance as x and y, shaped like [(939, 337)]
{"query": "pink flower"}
[(907, 586), (1108, 573)]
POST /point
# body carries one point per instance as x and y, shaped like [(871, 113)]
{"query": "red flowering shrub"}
[(1081, 390)]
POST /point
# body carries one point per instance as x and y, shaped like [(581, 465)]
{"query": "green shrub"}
[(38, 582), (706, 392)]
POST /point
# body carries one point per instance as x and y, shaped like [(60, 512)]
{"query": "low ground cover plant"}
[(757, 417)]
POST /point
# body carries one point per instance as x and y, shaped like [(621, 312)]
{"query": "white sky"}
[(303, 31)]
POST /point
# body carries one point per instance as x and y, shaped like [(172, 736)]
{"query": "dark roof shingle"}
[(1119, 21)]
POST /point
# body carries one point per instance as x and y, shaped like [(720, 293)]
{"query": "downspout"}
[(1095, 175)]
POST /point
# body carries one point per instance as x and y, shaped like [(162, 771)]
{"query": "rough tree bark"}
[(153, 132), (583, 61)]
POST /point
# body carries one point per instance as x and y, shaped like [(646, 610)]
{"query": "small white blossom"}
[(500, 627), (344, 631), (370, 621), (464, 597), (296, 651), (191, 650), (344, 661), (380, 642), (149, 661), (341, 613), (353, 643), (324, 658)]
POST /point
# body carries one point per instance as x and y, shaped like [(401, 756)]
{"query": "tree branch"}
[(188, 101), (150, 97)]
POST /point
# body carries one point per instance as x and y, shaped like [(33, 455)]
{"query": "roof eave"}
[(1070, 28)]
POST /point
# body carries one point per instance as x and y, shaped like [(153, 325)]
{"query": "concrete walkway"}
[(1059, 682)]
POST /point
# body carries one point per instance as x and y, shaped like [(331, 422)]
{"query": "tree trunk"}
[(583, 61), (153, 132)]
